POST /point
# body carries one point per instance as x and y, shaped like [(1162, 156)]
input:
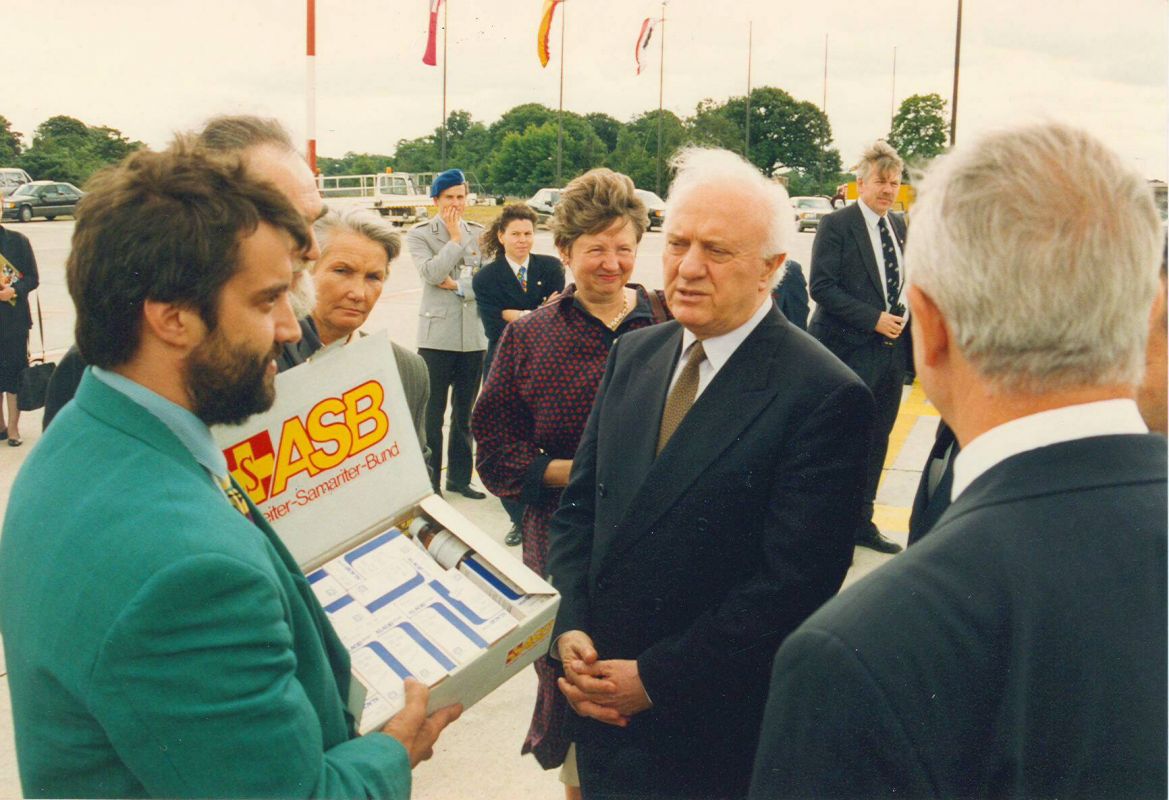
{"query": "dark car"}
[(48, 199)]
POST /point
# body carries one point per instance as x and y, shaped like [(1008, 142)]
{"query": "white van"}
[(11, 178)]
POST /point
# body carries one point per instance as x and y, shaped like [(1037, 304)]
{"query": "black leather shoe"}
[(514, 536), (868, 536), (466, 491)]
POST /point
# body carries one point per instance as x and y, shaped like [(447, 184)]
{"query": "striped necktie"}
[(234, 495), (523, 276)]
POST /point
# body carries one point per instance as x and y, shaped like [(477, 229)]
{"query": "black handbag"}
[(34, 380)]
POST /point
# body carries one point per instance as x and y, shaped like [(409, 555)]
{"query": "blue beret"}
[(445, 180)]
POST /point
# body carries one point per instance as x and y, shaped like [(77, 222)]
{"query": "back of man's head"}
[(167, 227), (697, 167), (1040, 248), (238, 132)]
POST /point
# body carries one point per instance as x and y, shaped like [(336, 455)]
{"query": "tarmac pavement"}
[(478, 757)]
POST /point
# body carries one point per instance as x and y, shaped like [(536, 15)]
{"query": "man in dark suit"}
[(691, 540), (791, 294), (933, 488), (857, 282), (1020, 649)]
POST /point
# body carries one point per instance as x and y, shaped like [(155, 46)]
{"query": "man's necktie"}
[(523, 276), (892, 273), (234, 496), (681, 396)]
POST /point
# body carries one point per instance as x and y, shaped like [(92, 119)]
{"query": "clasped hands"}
[(890, 325), (608, 691)]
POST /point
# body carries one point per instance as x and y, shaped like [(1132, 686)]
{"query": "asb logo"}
[(335, 429), (252, 462)]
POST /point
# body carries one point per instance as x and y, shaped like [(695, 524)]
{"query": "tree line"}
[(516, 154)]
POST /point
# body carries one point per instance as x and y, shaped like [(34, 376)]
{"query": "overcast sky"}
[(150, 67)]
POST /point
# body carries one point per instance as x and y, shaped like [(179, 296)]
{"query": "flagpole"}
[(661, 96), (747, 116), (893, 97), (311, 85), (560, 110), (954, 102), (824, 105), (442, 153)]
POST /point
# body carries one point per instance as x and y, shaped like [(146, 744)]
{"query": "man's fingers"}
[(585, 707), (429, 732), (414, 711)]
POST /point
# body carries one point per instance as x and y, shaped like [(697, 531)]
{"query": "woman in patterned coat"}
[(549, 363)]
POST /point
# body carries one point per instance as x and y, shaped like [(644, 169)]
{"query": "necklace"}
[(624, 312)]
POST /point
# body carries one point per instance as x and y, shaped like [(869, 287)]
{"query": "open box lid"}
[(336, 457), (496, 554)]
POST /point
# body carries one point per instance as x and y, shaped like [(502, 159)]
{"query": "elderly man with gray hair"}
[(711, 502), (1020, 649), (858, 281)]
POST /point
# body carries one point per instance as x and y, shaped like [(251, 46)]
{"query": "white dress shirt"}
[(1102, 418), (871, 220), (718, 349)]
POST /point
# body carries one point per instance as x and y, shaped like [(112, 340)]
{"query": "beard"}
[(228, 384)]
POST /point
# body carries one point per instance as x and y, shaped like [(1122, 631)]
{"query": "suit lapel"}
[(860, 233), (632, 447), (732, 401)]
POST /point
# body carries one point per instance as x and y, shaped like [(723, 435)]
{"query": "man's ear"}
[(175, 325), (772, 264), (931, 337)]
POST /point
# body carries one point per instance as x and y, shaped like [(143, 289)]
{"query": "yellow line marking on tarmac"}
[(916, 405)]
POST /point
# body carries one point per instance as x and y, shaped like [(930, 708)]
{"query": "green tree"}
[(606, 127), (524, 162), (636, 153), (711, 127), (10, 144), (920, 130), (66, 149), (354, 164), (417, 155)]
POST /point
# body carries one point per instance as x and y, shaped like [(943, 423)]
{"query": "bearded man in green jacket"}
[(160, 640)]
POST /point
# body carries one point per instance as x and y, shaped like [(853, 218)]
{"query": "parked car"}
[(48, 199), (11, 178), (810, 210), (543, 201), (655, 205)]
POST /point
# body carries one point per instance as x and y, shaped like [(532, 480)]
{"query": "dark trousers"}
[(625, 772), (459, 374), (885, 380)]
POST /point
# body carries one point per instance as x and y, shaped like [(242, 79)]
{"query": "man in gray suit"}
[(450, 336)]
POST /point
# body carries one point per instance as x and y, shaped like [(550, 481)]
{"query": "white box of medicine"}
[(410, 585)]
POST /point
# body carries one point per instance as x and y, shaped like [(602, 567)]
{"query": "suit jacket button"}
[(602, 491), (602, 584), (702, 524)]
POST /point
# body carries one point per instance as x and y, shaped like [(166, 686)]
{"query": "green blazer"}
[(158, 643)]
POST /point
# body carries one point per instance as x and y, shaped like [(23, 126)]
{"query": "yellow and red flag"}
[(545, 29)]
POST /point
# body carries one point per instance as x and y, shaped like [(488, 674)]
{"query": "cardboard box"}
[(336, 469)]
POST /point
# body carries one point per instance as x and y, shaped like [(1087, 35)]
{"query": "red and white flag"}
[(647, 29), (428, 57)]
